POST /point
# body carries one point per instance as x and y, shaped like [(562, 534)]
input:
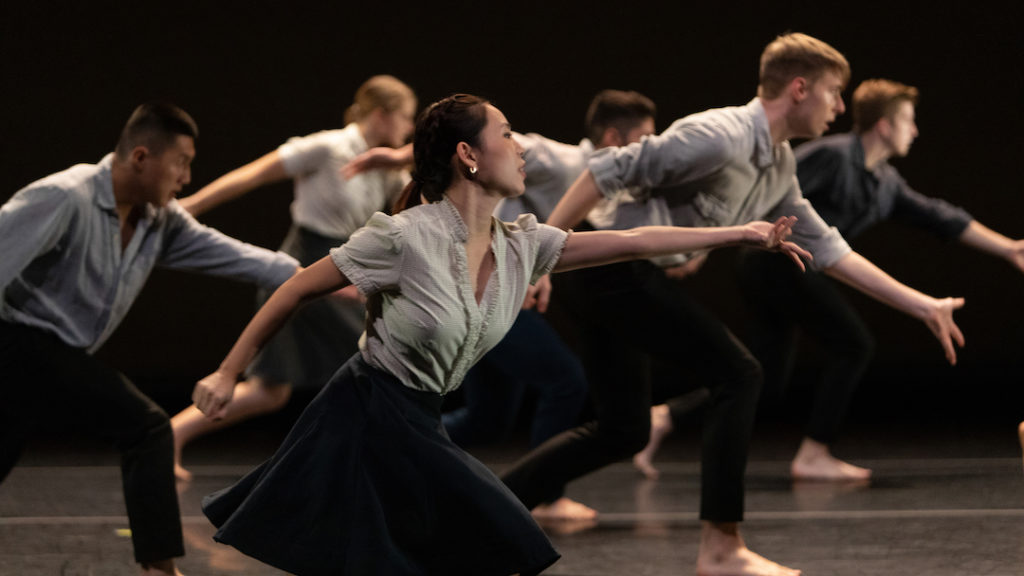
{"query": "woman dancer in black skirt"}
[(367, 482)]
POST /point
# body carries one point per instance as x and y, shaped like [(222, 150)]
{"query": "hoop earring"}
[(472, 169)]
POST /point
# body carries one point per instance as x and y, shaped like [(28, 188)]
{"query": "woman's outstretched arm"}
[(212, 394)]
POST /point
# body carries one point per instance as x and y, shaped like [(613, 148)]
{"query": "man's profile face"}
[(165, 174), (902, 129), (822, 103)]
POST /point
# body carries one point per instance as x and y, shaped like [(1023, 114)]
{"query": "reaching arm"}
[(584, 249), (578, 201), (983, 238), (269, 168), (380, 158), (937, 314), (213, 393)]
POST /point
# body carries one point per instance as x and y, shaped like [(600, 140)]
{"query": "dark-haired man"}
[(78, 246)]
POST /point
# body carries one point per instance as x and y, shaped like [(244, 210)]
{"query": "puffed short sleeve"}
[(546, 243), (372, 257)]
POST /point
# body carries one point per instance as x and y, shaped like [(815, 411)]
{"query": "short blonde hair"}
[(383, 91), (876, 99), (797, 55)]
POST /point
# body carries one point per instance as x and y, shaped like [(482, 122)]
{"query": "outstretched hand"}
[(939, 319), (378, 158), (772, 236), (213, 393)]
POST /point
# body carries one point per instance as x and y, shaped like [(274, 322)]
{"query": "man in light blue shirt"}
[(78, 247)]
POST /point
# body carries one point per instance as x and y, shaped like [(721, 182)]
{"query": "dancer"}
[(367, 482), (327, 209), (850, 183), (78, 247), (721, 167), (532, 355)]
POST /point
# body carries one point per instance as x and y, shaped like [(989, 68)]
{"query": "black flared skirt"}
[(368, 483)]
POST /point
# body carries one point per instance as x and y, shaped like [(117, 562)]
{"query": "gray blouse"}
[(424, 324)]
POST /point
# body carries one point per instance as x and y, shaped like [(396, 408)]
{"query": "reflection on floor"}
[(951, 506)]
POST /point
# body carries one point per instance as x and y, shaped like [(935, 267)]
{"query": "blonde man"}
[(717, 168)]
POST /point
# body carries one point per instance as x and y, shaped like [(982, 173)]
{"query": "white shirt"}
[(325, 202)]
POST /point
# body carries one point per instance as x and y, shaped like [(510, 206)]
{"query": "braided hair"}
[(439, 129)]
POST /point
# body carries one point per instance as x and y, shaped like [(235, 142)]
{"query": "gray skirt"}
[(319, 336)]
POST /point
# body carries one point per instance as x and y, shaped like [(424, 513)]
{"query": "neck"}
[(875, 149), (126, 190), (777, 112), (475, 205), (368, 133)]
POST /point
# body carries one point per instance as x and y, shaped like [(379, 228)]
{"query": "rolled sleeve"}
[(810, 232), (302, 155), (936, 215), (690, 149)]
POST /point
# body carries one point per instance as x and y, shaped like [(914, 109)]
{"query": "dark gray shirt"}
[(63, 269), (852, 198)]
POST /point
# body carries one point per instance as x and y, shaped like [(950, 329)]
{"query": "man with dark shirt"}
[(852, 186)]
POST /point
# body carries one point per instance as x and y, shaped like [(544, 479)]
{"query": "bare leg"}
[(661, 426), (814, 461), (160, 568), (723, 553), (252, 398), (564, 509)]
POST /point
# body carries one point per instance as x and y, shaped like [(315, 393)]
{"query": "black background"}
[(253, 74)]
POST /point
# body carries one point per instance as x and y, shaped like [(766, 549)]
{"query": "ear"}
[(883, 127), (466, 154), (611, 137), (378, 114), (138, 155), (799, 88)]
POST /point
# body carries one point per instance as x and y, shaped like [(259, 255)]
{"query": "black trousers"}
[(628, 310), (782, 302), (43, 381)]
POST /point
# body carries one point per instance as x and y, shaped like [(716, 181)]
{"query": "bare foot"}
[(814, 461), (661, 426), (723, 553), (161, 568), (182, 473), (564, 509), (743, 562)]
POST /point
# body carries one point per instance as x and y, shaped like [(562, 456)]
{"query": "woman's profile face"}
[(499, 157)]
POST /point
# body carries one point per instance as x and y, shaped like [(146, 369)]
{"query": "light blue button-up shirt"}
[(719, 168), (63, 269)]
